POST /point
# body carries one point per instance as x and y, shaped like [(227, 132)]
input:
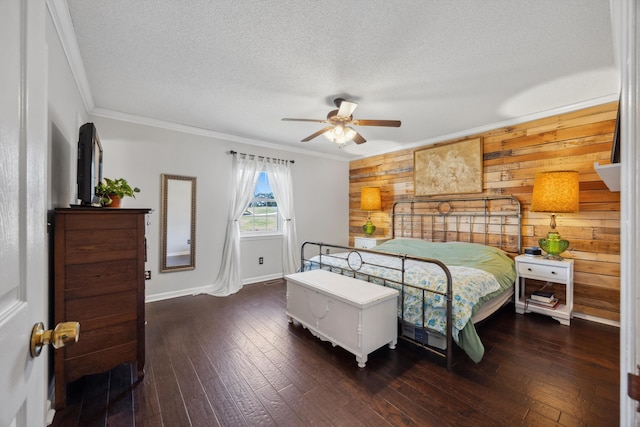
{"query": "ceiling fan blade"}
[(320, 132), (346, 108), (359, 139), (388, 123), (305, 120)]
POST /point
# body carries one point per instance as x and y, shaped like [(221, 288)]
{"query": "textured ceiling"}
[(234, 68)]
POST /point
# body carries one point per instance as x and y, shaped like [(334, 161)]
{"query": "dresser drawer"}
[(102, 339), (545, 272)]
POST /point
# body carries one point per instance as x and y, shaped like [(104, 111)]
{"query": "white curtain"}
[(245, 172), (279, 172)]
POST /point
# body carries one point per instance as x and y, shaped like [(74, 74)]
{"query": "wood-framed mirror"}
[(178, 235)]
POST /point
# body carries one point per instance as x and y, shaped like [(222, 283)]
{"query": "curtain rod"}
[(260, 157)]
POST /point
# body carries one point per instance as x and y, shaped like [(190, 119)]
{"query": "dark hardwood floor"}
[(236, 361)]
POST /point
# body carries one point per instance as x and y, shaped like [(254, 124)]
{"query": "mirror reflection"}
[(178, 223)]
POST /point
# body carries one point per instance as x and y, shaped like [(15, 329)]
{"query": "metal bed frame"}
[(490, 220)]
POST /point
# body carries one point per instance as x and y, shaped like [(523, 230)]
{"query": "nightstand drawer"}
[(547, 272), (368, 242)]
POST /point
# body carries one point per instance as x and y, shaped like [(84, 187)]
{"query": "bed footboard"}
[(351, 262)]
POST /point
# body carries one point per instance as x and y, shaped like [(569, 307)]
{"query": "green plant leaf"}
[(114, 187)]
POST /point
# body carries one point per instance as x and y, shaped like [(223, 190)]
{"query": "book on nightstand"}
[(542, 296), (550, 305)]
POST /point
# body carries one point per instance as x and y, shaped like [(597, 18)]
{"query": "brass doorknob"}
[(65, 333)]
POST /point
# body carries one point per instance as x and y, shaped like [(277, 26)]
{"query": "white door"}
[(23, 234)]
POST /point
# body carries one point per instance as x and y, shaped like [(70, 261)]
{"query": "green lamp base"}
[(368, 228), (553, 245)]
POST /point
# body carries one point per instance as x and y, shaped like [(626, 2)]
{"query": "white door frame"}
[(625, 11)]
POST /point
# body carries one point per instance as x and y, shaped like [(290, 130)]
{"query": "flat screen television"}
[(89, 172), (615, 148)]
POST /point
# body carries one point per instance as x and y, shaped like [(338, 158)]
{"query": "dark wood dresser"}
[(99, 261)]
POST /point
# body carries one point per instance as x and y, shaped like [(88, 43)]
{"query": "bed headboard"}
[(489, 220)]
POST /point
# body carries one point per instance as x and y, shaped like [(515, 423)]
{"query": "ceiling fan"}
[(340, 121)]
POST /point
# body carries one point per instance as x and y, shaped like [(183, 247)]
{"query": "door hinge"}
[(633, 386)]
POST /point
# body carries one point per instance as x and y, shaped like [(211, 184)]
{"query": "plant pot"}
[(115, 202)]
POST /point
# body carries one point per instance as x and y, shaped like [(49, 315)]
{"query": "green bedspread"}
[(486, 258)]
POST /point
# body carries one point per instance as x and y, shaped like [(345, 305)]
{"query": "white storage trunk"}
[(356, 315)]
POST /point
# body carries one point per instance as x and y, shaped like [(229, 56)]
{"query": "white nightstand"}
[(546, 270), (368, 242)]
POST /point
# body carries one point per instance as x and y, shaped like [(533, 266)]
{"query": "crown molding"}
[(131, 118), (59, 12), (497, 125)]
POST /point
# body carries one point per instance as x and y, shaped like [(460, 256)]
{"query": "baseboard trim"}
[(51, 413), (205, 289), (596, 319), (265, 278), (177, 294)]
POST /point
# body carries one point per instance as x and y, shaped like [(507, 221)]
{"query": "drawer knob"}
[(65, 333), (553, 272), (529, 269)]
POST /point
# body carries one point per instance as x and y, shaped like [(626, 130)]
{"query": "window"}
[(261, 215)]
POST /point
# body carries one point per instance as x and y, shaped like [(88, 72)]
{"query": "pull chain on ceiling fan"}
[(339, 129)]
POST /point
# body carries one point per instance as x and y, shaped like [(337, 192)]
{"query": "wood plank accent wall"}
[(512, 156)]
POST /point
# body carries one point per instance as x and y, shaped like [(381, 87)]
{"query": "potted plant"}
[(111, 191)]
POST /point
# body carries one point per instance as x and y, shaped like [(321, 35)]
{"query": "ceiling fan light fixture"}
[(337, 120), (329, 135), (340, 135), (349, 133)]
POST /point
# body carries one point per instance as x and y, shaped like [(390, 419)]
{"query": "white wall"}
[(66, 114), (141, 153)]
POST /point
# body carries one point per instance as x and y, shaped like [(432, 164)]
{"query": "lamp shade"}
[(555, 192), (370, 199)]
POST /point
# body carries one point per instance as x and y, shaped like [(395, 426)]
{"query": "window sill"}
[(260, 236)]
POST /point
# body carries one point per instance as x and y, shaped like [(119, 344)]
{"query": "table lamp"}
[(555, 192), (370, 201)]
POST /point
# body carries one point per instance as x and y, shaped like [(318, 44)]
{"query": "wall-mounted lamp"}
[(370, 201), (555, 192)]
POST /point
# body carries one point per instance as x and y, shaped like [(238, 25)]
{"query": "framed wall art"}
[(453, 168)]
